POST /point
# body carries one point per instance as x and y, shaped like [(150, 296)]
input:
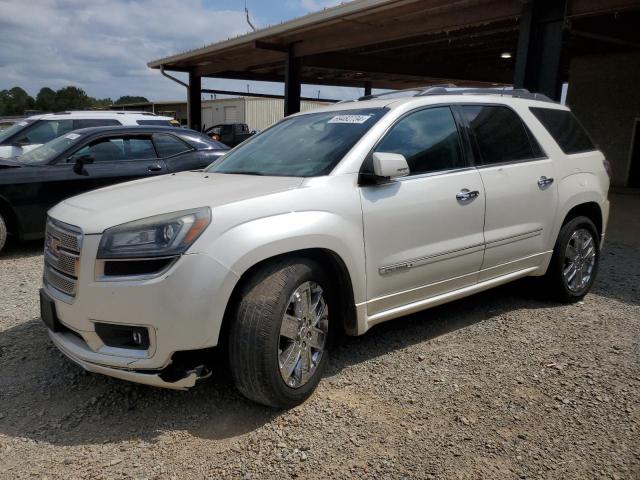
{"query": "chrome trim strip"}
[(436, 257), (513, 238)]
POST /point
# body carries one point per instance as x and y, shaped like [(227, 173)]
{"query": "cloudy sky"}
[(103, 46)]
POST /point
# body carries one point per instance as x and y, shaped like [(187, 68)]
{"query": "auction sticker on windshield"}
[(72, 136), (349, 119)]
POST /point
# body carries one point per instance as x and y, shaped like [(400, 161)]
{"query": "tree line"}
[(16, 100)]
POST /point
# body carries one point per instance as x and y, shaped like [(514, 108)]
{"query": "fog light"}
[(123, 336)]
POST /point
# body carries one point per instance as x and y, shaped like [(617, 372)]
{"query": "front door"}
[(120, 158), (423, 233), (521, 191)]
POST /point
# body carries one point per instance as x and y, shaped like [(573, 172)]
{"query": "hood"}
[(96, 211), (9, 163)]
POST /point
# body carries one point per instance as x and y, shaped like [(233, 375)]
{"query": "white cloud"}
[(315, 5), (103, 46)]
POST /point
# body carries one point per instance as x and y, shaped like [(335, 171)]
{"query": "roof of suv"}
[(82, 114), (426, 95)]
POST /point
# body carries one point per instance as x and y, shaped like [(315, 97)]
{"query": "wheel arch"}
[(328, 259), (10, 217), (591, 210)]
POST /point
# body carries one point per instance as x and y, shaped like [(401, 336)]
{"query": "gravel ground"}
[(499, 385)]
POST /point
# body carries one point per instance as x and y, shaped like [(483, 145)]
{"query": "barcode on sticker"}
[(350, 119)]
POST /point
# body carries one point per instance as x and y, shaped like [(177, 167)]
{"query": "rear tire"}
[(3, 233), (575, 261), (280, 332)]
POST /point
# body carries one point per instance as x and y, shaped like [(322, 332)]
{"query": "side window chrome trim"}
[(437, 173)]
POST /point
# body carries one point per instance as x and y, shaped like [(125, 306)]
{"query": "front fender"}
[(250, 243)]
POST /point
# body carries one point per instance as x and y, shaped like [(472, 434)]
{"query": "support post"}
[(540, 59), (367, 88), (292, 85), (194, 103)]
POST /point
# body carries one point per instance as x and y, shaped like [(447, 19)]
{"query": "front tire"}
[(575, 261), (279, 337), (3, 233)]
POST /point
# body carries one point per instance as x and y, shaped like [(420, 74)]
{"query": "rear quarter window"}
[(565, 129)]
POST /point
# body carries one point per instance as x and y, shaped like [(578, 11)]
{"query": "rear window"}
[(565, 129), (165, 123), (500, 134)]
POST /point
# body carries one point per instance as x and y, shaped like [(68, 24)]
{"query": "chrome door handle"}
[(544, 182), (466, 195), (155, 168)]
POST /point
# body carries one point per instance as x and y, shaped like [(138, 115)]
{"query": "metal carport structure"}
[(399, 44)]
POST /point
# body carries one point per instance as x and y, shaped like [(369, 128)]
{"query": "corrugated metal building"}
[(258, 113)]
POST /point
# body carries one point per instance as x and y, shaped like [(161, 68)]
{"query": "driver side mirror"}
[(390, 165), (23, 142), (80, 162)]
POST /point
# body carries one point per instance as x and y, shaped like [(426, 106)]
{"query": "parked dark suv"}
[(91, 158)]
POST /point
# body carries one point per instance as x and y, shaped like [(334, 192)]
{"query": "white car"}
[(340, 218), (37, 130)]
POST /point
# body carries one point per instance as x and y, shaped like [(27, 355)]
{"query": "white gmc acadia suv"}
[(336, 219)]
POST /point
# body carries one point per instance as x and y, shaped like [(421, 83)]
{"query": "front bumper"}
[(154, 379), (182, 310)]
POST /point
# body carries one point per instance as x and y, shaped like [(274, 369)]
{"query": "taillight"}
[(607, 167)]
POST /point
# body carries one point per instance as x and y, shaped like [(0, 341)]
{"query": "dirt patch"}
[(503, 384)]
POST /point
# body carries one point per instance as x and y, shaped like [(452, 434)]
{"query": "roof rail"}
[(118, 112), (451, 89)]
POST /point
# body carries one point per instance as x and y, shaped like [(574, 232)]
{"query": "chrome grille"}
[(62, 256)]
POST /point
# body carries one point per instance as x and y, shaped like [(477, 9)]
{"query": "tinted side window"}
[(44, 131), (565, 129), (164, 123), (119, 149), (94, 122), (500, 134), (138, 148), (428, 139), (168, 145)]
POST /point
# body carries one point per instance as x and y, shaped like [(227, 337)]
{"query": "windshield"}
[(13, 129), (47, 152), (303, 146)]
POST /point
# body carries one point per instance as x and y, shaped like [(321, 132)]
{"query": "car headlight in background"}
[(164, 235)]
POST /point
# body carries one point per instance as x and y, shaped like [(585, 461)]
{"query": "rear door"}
[(521, 192), (119, 158), (177, 154)]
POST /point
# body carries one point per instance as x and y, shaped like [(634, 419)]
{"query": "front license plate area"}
[(48, 312)]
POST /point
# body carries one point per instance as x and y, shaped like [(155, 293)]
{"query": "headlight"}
[(160, 236)]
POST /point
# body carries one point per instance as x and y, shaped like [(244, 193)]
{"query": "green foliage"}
[(129, 99), (15, 101), (46, 99)]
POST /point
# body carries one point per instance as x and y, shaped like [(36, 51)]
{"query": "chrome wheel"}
[(579, 260), (303, 334)]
